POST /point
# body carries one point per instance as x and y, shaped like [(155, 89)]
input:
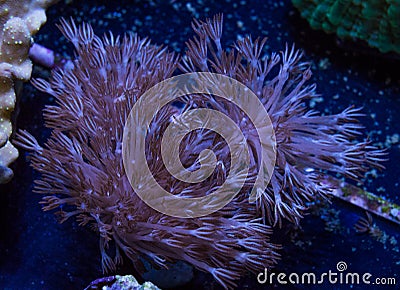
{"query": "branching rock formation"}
[(19, 20)]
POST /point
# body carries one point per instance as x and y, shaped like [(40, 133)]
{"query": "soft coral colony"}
[(82, 169)]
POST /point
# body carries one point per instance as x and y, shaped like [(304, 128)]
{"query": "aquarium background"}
[(36, 252)]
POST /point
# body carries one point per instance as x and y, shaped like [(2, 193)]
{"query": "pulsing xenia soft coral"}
[(304, 139), (82, 168)]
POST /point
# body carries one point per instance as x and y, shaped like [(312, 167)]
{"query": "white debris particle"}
[(324, 63), (392, 140), (381, 189), (314, 101)]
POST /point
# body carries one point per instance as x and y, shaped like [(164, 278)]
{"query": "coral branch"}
[(19, 21)]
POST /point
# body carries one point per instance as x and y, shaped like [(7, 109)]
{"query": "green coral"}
[(375, 21)]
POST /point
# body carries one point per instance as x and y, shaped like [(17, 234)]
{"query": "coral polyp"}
[(81, 164)]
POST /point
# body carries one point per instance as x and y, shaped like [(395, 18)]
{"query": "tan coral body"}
[(19, 20)]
